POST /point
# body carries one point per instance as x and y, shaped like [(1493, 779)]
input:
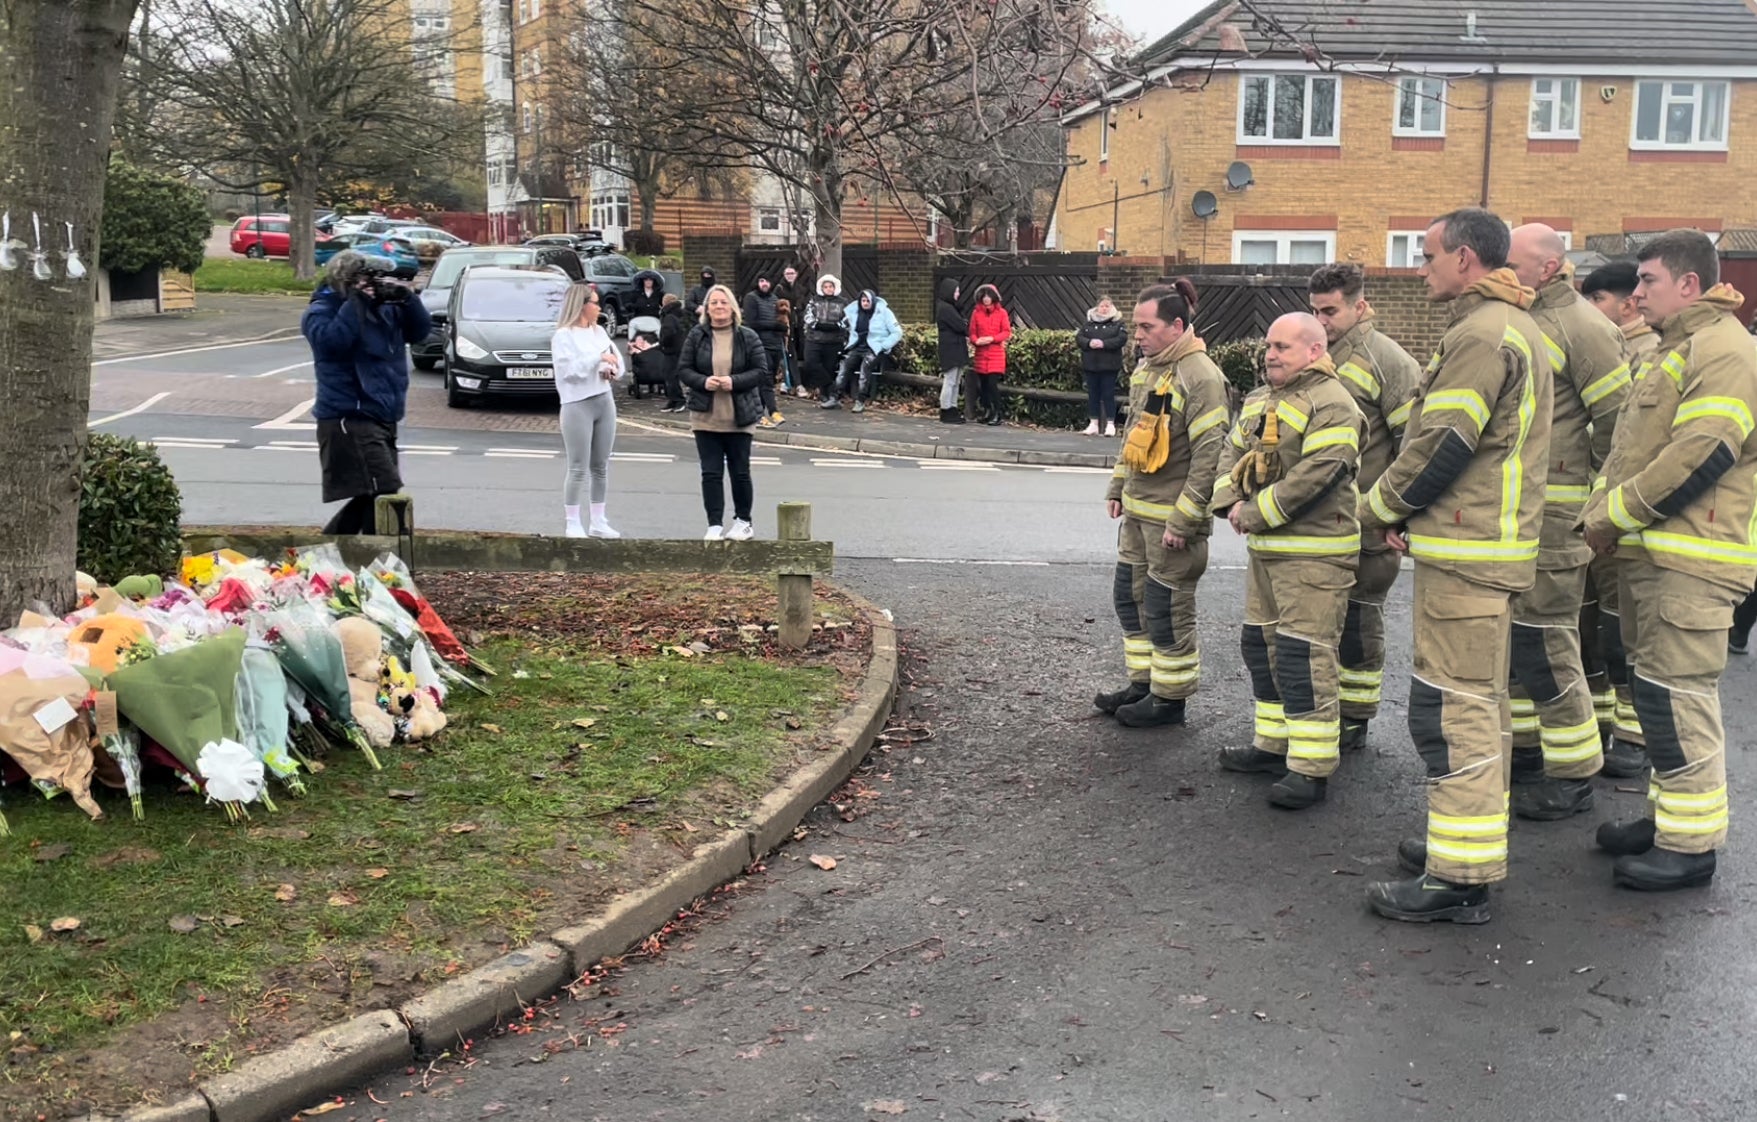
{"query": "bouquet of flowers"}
[(263, 715), (311, 656), (43, 726)]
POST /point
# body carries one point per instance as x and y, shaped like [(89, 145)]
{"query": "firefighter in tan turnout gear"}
[(1381, 377), (1465, 498), (1675, 504), (1611, 289), (1557, 747), (1287, 482), (1160, 492)]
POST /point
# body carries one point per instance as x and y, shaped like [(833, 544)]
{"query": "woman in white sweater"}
[(587, 365)]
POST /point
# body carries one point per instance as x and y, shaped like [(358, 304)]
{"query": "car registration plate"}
[(530, 373)]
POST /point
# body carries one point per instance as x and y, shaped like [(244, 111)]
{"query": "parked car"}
[(498, 328), (436, 295), (613, 275), (588, 243), (265, 235), (397, 253), (368, 223), (428, 234)]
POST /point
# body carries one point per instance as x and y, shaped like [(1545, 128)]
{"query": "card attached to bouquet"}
[(55, 715), (104, 713)]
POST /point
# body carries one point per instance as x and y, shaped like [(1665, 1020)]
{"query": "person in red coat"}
[(990, 328)]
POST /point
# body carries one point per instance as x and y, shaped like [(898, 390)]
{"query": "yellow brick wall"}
[(1183, 142)]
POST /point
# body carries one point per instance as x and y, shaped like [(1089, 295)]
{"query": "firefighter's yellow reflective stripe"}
[(1188, 508), (1642, 371), (1513, 467), (1385, 514), (1271, 721), (1618, 510), (1400, 415), (1472, 840), (1687, 803), (1292, 417), (1673, 364), (1525, 724), (1212, 419), (1628, 724), (1572, 744), (1468, 402), (1361, 687), (1361, 377), (1677, 813), (1604, 706), (1251, 409), (1330, 437), (1119, 471), (1726, 408), (1598, 484), (1293, 545), (1314, 740), (1566, 493), (1269, 508), (1605, 386), (1137, 654), (1177, 670), (1449, 549), (1238, 438), (1141, 508), (1175, 401), (1434, 363), (1701, 549), (1512, 337), (1558, 357)]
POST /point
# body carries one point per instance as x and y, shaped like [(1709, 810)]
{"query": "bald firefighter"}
[(1465, 498), (1557, 748), (1676, 505), (1160, 492), (1381, 377), (1287, 483)]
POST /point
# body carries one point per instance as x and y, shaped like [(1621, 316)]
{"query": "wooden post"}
[(393, 516), (793, 523)]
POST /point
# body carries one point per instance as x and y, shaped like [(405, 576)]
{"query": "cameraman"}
[(360, 323)]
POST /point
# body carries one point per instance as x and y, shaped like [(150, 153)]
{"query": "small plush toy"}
[(363, 652), (139, 588), (414, 708)]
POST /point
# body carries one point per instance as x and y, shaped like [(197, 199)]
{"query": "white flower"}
[(232, 772)]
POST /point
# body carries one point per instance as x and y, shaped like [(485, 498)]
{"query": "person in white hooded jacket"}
[(587, 366), (825, 335)]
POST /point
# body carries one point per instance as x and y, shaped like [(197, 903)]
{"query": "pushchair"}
[(648, 365)]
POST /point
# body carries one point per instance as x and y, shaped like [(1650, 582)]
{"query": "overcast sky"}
[(1149, 19)]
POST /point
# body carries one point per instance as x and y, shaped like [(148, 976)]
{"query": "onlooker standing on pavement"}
[(796, 293), (954, 349), (824, 335), (587, 365), (762, 314), (360, 326), (1101, 340), (990, 328), (784, 313), (724, 365), (873, 331), (649, 294), (673, 327), (692, 305)]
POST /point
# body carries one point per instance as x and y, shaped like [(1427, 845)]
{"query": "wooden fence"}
[(1053, 294), (1237, 305)]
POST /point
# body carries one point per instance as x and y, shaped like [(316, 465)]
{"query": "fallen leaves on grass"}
[(33, 933), (184, 925), (584, 722), (462, 828), (51, 853), (64, 924), (343, 899), (286, 893), (378, 874), (822, 862)]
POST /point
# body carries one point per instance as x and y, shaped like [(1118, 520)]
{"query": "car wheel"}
[(256, 251), (425, 363), (611, 318)]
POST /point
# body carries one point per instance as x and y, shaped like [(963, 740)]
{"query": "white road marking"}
[(957, 561), (292, 333), (286, 421), (186, 444), (767, 461), (848, 463), (520, 455), (213, 440), (428, 448), (141, 408), (1077, 471), (644, 457), (955, 465), (282, 369)]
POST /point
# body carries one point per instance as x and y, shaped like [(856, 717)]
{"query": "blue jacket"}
[(882, 333), (360, 353)]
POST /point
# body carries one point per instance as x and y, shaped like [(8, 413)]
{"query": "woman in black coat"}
[(1101, 340), (724, 366), (649, 294), (954, 349)]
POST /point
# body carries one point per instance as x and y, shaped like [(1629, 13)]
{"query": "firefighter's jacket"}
[(1381, 376), (1679, 482), (1182, 393), (1468, 484), (1291, 458)]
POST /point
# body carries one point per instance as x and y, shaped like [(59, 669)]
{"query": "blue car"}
[(393, 254)]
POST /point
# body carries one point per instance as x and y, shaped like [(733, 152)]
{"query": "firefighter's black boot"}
[(1249, 758), (1116, 699), (1551, 800), (1527, 765), (1294, 791), (1623, 760), (1412, 855), (1626, 839), (1151, 712), (1662, 870), (1428, 899), (1354, 735)]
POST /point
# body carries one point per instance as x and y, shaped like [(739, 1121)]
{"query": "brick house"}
[(1359, 120)]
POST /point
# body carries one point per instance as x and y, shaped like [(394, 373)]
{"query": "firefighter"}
[(1675, 504), (1381, 376), (1160, 491), (1611, 289), (1287, 482), (1465, 499), (1557, 748)]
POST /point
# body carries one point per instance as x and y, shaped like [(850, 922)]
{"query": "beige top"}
[(720, 416)]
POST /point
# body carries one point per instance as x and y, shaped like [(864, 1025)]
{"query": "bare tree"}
[(301, 95), (61, 59)]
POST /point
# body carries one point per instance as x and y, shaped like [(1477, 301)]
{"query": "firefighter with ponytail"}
[(1160, 492)]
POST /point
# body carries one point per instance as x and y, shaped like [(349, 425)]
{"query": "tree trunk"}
[(301, 205), (62, 62), (827, 192)]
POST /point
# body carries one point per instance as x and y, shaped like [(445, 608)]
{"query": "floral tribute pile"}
[(239, 676)]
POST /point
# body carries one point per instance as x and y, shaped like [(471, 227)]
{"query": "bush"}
[(1241, 361), (130, 512), (643, 243), (668, 263), (151, 221)]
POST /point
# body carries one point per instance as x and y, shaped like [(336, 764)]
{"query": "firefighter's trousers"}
[(1552, 707), (1155, 595), (1593, 643), (1294, 610), (1612, 596), (1674, 627), (1460, 722), (1363, 634)]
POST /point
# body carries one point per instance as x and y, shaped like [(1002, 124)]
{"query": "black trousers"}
[(723, 454), (989, 390), (822, 353)]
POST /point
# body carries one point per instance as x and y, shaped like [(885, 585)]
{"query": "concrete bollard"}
[(793, 523)]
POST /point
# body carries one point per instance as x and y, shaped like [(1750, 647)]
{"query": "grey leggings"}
[(949, 387), (588, 430)]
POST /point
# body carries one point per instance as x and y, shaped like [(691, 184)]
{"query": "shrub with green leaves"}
[(130, 512), (152, 221), (1241, 361)]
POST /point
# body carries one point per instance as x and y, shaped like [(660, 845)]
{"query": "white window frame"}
[(767, 214), (1283, 240), (1306, 139), (1104, 126), (1557, 96), (1666, 99), (1414, 85), (610, 206), (1417, 239)]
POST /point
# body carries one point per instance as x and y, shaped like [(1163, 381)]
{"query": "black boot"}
[(1294, 791), (994, 416), (1354, 736), (1428, 899), (1551, 800), (1662, 870), (1626, 839), (1412, 855), (951, 417), (1249, 758), (1527, 765), (1111, 702), (1738, 639), (1623, 760), (1151, 712)]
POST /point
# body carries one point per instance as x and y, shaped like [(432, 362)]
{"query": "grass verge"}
[(222, 274)]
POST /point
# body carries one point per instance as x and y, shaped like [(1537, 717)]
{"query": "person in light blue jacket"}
[(873, 332)]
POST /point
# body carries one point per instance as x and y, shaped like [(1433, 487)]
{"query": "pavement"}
[(218, 318)]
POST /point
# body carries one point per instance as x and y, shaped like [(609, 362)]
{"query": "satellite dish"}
[(1238, 176), (1205, 204)]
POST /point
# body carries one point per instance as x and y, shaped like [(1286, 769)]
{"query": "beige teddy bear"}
[(363, 651)]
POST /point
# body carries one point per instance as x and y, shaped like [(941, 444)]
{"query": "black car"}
[(613, 275), (436, 295), (498, 329)]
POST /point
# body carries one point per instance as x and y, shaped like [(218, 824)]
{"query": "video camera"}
[(382, 285)]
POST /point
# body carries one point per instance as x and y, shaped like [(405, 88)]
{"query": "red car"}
[(268, 235)]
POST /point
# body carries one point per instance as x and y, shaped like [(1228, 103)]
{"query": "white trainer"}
[(714, 534), (602, 529), (741, 531), (1110, 428), (575, 529), (1091, 429)]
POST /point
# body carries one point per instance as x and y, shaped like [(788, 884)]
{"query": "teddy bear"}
[(363, 652), (414, 709)]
